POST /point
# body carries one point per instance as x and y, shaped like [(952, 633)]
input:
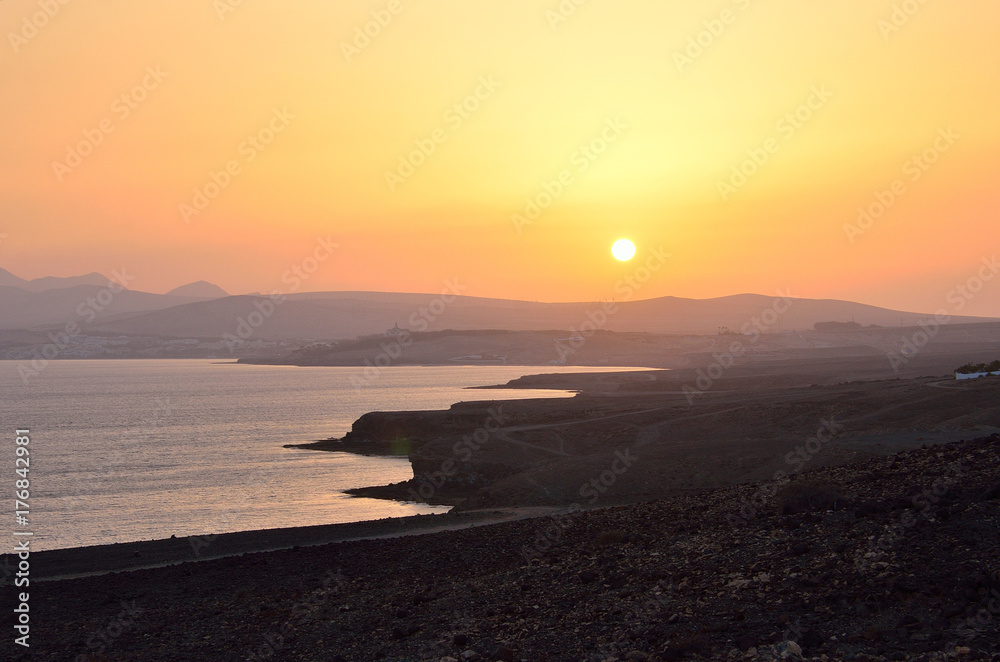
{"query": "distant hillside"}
[(333, 315), (204, 310), (7, 279), (21, 309), (199, 290)]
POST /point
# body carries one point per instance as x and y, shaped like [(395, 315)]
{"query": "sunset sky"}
[(534, 88)]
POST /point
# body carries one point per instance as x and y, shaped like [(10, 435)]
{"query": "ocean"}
[(127, 450)]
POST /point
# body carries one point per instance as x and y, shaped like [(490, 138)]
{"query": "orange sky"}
[(675, 118)]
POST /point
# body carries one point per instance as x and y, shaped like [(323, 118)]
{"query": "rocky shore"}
[(681, 432), (895, 558)]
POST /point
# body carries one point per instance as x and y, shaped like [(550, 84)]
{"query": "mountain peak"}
[(52, 282), (10, 280), (200, 289)]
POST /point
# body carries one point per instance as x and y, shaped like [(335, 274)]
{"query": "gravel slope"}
[(885, 560)]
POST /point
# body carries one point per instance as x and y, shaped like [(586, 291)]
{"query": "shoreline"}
[(541, 452), (95, 560), (837, 563), (532, 382)]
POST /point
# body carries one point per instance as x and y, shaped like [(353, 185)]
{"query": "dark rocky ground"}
[(895, 558), (503, 454)]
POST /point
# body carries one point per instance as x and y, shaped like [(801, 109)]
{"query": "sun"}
[(623, 250)]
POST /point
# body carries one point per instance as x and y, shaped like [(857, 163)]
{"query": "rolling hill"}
[(204, 310), (7, 279), (335, 315), (200, 290)]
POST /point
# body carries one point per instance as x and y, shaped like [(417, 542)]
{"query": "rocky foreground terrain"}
[(893, 559)]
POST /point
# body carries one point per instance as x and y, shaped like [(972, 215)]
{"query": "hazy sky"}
[(643, 124)]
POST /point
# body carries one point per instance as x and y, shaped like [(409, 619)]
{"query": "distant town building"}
[(973, 375), (977, 370), (480, 358), (396, 332)]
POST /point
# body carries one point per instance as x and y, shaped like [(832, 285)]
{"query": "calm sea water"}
[(137, 450)]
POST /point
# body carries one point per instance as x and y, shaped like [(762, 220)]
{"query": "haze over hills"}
[(83, 304), (53, 301), (204, 310), (7, 279), (348, 314), (200, 289)]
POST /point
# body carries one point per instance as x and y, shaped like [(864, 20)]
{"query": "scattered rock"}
[(504, 654), (691, 585), (789, 647)]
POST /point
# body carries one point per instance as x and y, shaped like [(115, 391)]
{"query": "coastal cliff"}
[(654, 440)]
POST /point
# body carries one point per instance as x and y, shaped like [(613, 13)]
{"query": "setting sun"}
[(623, 250), (265, 254)]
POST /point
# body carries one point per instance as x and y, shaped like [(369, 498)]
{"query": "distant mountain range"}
[(52, 301), (203, 310), (7, 279), (200, 289)]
